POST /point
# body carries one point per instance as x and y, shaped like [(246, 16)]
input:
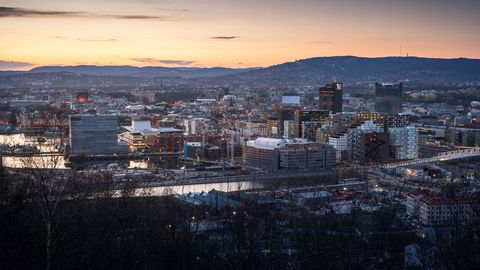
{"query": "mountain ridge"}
[(146, 71), (303, 72)]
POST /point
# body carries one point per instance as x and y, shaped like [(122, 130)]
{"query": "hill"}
[(151, 71), (351, 69)]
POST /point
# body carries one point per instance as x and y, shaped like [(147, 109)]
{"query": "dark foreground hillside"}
[(45, 226)]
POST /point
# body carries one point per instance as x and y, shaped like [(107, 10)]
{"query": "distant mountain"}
[(10, 72), (307, 72), (320, 70), (187, 72)]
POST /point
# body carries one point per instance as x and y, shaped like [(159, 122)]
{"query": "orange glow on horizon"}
[(228, 33)]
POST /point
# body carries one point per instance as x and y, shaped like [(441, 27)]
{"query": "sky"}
[(230, 33)]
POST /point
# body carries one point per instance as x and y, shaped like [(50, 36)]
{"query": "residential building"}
[(441, 211)]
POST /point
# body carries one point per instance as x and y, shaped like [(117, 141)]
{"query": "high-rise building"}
[(396, 121), (403, 142), (388, 97), (330, 97), (284, 113), (94, 135), (339, 142), (288, 129), (309, 129), (370, 148), (301, 116), (368, 143), (377, 118), (272, 128)]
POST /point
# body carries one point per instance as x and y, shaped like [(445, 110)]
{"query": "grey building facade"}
[(388, 97), (94, 135)]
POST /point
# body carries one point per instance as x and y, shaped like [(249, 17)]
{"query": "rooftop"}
[(272, 143), (145, 128)]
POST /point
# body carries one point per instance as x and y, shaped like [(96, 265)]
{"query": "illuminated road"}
[(444, 156)]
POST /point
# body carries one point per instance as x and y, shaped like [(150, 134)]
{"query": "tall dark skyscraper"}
[(331, 97), (388, 97)]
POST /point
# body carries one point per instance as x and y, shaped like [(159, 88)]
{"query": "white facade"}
[(288, 130), (370, 126), (292, 100), (288, 154), (405, 142), (141, 125), (446, 212), (195, 125), (340, 144)]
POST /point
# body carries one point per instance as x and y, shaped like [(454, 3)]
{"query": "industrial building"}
[(94, 135)]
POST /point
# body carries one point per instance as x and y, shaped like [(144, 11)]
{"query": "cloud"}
[(138, 17), (164, 62), (23, 12), (174, 9), (113, 39), (225, 37), (13, 64), (322, 42), (99, 40)]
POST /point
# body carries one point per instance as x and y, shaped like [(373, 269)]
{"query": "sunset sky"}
[(233, 33)]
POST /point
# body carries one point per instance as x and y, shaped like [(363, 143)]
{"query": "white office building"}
[(404, 141)]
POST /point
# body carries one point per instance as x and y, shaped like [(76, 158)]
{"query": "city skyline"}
[(229, 33)]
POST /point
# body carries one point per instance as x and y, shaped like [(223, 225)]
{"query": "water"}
[(243, 185), (58, 162), (194, 188), (45, 162)]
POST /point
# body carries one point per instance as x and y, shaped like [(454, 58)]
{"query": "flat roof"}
[(272, 143)]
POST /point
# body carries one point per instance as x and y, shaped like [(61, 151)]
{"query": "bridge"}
[(444, 156)]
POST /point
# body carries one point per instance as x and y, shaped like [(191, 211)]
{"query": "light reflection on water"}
[(194, 188), (58, 162), (46, 162)]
